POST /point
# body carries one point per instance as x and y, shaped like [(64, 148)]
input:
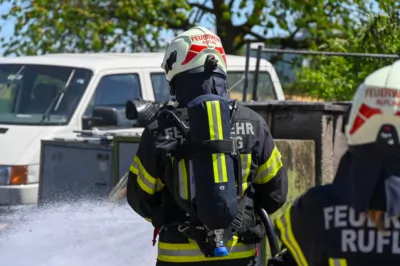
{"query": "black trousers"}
[(237, 262)]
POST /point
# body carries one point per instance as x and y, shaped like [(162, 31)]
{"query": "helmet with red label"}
[(194, 50), (375, 113)]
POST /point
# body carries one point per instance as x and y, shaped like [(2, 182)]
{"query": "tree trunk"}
[(227, 32), (228, 41)]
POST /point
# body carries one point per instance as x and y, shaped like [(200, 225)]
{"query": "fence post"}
[(246, 73)]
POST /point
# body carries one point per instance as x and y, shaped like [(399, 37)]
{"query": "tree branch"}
[(202, 7), (258, 37), (333, 9), (293, 34), (243, 42), (199, 14), (61, 48), (230, 4), (254, 18), (112, 10), (184, 26)]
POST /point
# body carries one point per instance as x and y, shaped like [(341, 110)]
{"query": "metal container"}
[(322, 122), (82, 168)]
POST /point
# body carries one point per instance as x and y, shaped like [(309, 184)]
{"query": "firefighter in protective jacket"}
[(354, 220), (196, 68)]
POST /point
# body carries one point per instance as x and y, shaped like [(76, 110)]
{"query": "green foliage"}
[(46, 26), (337, 78)]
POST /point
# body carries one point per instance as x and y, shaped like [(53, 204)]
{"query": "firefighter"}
[(264, 176), (354, 220)]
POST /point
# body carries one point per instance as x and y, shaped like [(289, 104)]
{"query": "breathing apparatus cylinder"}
[(214, 173)]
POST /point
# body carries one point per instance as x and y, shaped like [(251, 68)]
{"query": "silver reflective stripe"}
[(191, 180), (216, 133), (246, 164), (143, 178), (197, 252), (219, 163), (337, 262), (215, 121), (270, 168), (275, 163)]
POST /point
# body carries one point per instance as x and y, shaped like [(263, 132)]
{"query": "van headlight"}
[(19, 174)]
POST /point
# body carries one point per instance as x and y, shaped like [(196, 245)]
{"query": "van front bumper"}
[(19, 194)]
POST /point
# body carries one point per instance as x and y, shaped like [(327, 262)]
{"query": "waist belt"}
[(190, 252)]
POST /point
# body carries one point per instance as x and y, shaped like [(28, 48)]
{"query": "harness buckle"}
[(237, 222), (234, 147)]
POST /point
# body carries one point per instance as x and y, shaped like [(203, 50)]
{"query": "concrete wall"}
[(299, 159), (320, 122)]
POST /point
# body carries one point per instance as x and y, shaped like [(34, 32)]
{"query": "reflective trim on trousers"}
[(337, 262), (191, 253)]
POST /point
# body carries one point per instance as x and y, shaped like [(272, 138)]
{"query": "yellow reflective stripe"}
[(183, 180), (337, 262), (146, 182), (133, 169), (285, 227), (190, 252), (222, 163), (246, 166), (216, 133), (269, 169), (148, 219)]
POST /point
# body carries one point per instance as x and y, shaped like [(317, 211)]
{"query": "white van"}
[(42, 97)]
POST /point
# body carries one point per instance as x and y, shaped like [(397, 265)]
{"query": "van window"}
[(115, 91), (160, 87), (265, 88), (28, 91), (7, 96)]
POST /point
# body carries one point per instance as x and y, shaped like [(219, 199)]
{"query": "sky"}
[(7, 27)]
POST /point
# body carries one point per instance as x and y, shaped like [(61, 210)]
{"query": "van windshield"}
[(28, 92), (265, 87)]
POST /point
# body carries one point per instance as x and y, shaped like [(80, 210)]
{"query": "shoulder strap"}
[(236, 153), (186, 205), (233, 107), (153, 126), (174, 114)]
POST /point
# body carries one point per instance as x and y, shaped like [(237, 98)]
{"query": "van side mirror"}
[(101, 117), (141, 111)]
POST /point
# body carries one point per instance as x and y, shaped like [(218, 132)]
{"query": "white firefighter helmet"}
[(190, 49), (376, 108)]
